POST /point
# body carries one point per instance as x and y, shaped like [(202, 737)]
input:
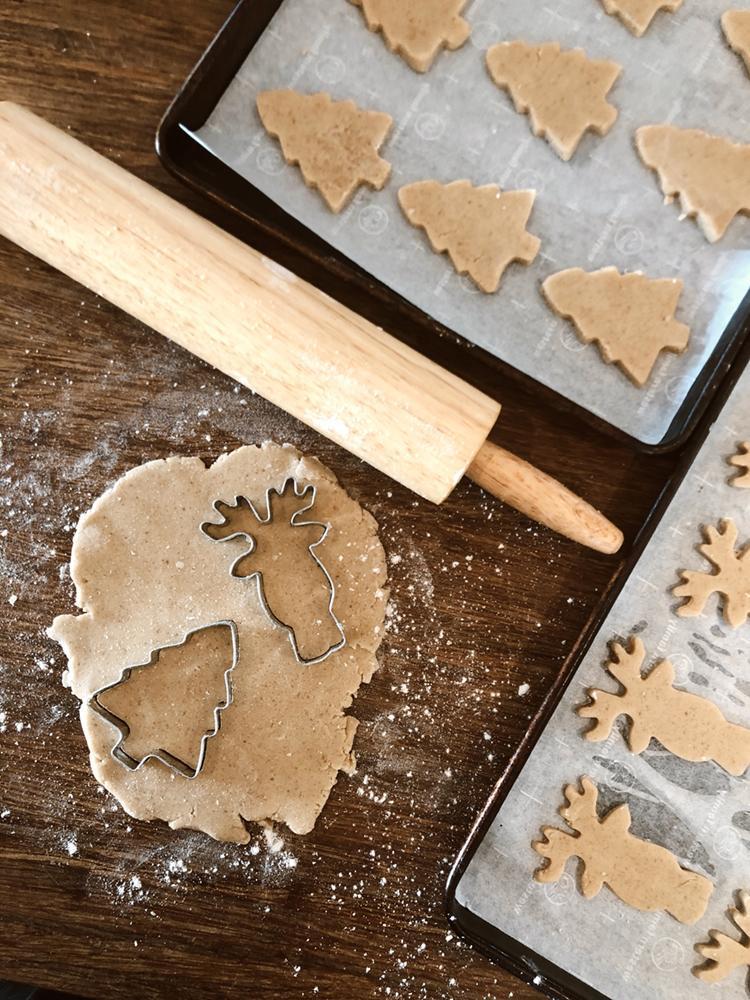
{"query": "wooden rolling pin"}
[(266, 328)]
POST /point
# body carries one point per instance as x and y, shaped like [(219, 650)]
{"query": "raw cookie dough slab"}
[(334, 143), (417, 29), (629, 316), (145, 574), (563, 92), (482, 229), (637, 15), (709, 174), (736, 27)]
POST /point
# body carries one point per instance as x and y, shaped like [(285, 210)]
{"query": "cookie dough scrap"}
[(731, 580), (482, 229), (709, 174), (417, 29), (629, 316), (335, 144), (145, 574), (741, 461), (736, 27), (562, 90), (724, 954), (637, 15), (643, 875), (687, 725)]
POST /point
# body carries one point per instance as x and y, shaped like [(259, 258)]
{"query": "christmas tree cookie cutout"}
[(482, 229), (629, 316), (643, 875), (417, 29), (741, 461), (736, 27), (731, 579), (334, 143), (724, 954), (709, 174), (637, 15), (168, 708), (563, 92), (281, 559), (693, 728)]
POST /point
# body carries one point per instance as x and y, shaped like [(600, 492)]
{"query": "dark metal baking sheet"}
[(184, 155)]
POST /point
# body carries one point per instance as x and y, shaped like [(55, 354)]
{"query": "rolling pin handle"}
[(542, 498)]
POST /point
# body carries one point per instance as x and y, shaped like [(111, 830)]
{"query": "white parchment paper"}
[(602, 208), (698, 811)]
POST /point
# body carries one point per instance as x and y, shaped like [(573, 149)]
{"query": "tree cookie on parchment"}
[(736, 27), (630, 317), (146, 574), (709, 174), (334, 143), (417, 29), (563, 92), (482, 229), (637, 15)]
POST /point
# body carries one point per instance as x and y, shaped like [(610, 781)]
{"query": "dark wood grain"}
[(484, 601)]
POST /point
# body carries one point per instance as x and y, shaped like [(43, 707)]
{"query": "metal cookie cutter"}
[(211, 528), (167, 758)]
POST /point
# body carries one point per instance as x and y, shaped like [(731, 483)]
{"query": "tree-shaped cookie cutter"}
[(177, 765), (212, 529)]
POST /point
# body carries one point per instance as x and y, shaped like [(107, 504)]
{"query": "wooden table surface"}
[(95, 903)]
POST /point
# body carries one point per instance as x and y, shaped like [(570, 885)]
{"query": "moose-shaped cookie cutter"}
[(177, 765), (213, 530)]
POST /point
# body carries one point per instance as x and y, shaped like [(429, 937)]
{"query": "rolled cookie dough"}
[(145, 574)]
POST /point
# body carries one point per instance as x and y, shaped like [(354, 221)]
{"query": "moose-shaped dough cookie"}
[(691, 727), (731, 581), (642, 874), (722, 953)]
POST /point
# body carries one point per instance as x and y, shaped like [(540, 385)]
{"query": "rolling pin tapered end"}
[(542, 498)]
